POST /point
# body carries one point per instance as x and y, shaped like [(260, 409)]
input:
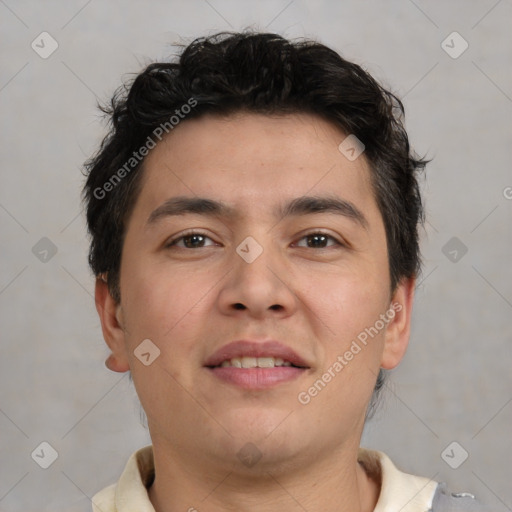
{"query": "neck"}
[(337, 483)]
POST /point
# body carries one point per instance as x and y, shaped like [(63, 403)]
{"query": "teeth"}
[(249, 362), (255, 362), (266, 362)]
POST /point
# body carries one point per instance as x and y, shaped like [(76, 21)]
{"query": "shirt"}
[(399, 491)]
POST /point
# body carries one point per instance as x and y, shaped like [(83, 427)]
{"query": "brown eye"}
[(318, 241), (191, 241)]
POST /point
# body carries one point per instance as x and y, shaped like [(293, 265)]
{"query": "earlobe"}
[(399, 326), (111, 324)]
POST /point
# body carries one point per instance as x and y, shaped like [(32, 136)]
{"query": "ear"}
[(111, 324), (399, 326)]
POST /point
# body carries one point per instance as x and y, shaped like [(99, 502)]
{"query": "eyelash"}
[(174, 242)]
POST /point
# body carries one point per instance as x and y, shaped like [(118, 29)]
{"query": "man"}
[(253, 214)]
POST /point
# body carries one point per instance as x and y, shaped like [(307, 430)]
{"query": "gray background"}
[(455, 382)]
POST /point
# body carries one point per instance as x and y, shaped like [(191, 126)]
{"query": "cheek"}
[(169, 306), (346, 298), (163, 307), (349, 305), (156, 299)]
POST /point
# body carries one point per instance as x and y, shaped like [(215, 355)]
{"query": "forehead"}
[(254, 163)]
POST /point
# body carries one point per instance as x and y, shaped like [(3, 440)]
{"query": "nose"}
[(258, 288)]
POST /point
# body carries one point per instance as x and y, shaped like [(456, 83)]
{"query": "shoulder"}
[(398, 490), (446, 501), (132, 486), (410, 493), (104, 501)]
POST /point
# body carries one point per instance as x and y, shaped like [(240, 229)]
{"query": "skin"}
[(314, 298)]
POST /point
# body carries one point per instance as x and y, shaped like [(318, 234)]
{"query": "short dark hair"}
[(261, 73)]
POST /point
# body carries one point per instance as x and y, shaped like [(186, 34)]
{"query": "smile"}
[(256, 365), (254, 362)]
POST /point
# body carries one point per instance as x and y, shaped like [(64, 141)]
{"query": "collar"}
[(399, 491)]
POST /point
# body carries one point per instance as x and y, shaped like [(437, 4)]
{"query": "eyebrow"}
[(304, 205)]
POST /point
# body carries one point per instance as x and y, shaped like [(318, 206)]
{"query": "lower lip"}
[(257, 378)]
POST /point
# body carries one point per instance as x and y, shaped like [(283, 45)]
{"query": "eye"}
[(192, 240), (318, 240)]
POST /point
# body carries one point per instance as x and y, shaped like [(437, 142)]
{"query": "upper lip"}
[(248, 348)]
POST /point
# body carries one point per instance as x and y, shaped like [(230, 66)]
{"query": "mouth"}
[(255, 362), (256, 365)]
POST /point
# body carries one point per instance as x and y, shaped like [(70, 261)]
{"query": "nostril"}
[(275, 307)]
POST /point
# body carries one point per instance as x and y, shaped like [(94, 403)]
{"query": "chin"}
[(272, 432), (273, 456)]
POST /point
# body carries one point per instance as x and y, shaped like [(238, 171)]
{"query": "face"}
[(273, 256)]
